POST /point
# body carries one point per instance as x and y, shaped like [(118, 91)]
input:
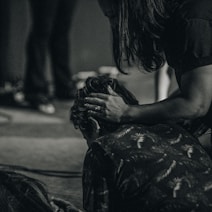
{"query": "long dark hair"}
[(137, 28)]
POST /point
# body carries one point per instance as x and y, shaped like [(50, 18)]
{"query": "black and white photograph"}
[(105, 105)]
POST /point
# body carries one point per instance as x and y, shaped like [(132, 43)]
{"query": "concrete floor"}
[(37, 141)]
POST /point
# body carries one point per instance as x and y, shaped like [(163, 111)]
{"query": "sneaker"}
[(41, 103), (11, 94), (46, 108), (13, 99), (19, 97)]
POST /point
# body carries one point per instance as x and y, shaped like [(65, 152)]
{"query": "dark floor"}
[(43, 142)]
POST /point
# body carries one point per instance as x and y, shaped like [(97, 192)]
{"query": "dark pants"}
[(5, 25), (50, 32)]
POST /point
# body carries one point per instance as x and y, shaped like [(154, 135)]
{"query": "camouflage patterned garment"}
[(138, 168)]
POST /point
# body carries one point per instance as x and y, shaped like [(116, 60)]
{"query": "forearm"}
[(170, 110)]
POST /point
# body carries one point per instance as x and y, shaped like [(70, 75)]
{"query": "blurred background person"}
[(4, 8), (50, 29)]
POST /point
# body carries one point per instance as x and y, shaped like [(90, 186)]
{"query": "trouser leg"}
[(61, 46), (42, 15), (5, 23)]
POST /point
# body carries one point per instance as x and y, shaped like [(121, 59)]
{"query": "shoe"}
[(12, 95), (19, 97), (46, 108), (13, 99), (41, 103)]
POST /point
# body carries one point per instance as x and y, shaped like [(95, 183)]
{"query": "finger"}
[(95, 124), (67, 206), (54, 206), (95, 114), (93, 107), (59, 202), (99, 95), (111, 91), (94, 101)]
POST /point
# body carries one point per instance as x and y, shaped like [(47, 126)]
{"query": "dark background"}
[(90, 37)]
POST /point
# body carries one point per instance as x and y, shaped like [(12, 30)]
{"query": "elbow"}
[(198, 111), (201, 112)]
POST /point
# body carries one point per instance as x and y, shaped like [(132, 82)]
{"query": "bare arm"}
[(194, 101)]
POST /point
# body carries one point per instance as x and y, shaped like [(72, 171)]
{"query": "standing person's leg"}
[(36, 86), (60, 50), (5, 24)]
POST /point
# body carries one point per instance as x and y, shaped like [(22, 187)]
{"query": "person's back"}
[(153, 168), (187, 40)]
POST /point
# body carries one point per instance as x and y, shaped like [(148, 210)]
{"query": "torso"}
[(180, 53)]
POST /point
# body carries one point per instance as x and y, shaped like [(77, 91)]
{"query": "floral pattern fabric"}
[(160, 168)]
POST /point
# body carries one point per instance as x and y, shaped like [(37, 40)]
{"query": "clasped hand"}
[(110, 106)]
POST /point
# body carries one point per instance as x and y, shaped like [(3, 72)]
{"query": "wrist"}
[(126, 117)]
